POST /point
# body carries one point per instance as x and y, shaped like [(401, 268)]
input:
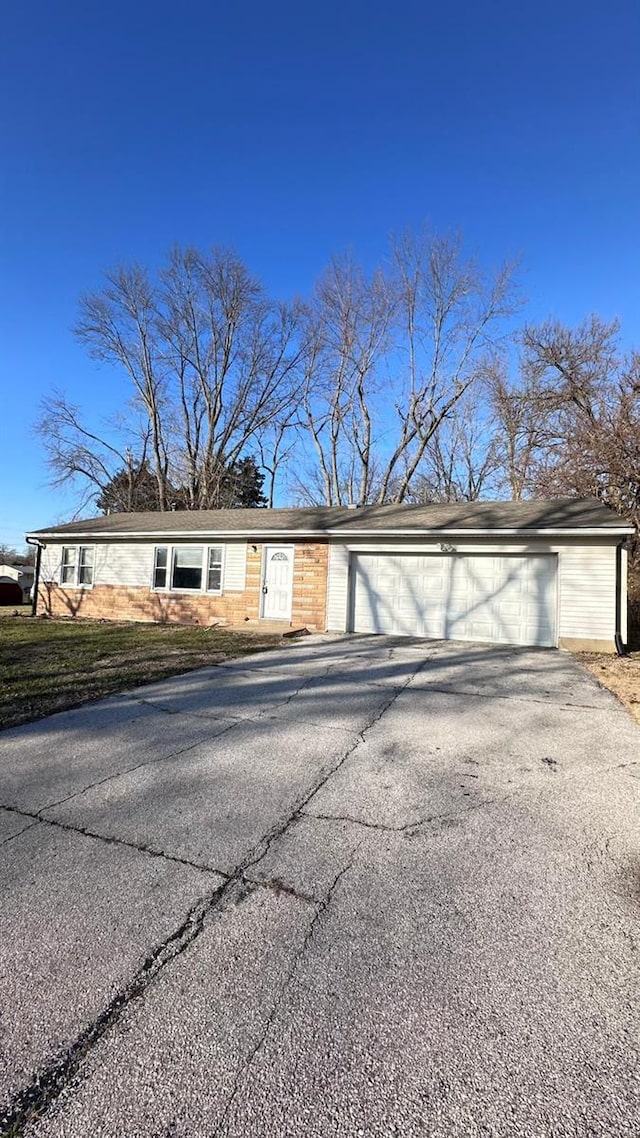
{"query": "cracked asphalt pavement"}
[(354, 886)]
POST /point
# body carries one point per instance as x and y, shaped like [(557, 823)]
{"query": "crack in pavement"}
[(18, 832), (158, 706), (108, 839), (130, 770), (272, 836), (269, 713), (407, 827), (450, 690), (236, 720), (34, 1100), (370, 825), (269, 716), (276, 885), (321, 910)]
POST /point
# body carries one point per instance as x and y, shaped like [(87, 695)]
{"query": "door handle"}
[(265, 589)]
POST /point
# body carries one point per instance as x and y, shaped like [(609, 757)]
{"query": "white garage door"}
[(508, 600)]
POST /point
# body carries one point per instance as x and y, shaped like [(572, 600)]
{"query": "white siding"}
[(50, 563), (235, 567), (131, 563), (122, 564), (586, 580), (337, 587)]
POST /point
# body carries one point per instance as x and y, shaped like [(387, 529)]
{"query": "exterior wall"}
[(587, 595), (123, 578), (131, 563), (123, 573), (310, 566), (586, 582)]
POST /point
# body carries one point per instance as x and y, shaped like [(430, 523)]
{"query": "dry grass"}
[(50, 665), (621, 674)]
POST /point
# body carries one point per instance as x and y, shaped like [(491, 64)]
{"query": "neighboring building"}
[(531, 573), (15, 584)]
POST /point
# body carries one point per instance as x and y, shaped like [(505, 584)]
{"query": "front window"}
[(160, 567), (77, 565), (85, 565), (214, 570), (187, 567), (69, 564)]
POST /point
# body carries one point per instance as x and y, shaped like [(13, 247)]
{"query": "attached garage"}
[(551, 574), (503, 600)]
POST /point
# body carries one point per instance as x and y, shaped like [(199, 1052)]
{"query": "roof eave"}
[(446, 532)]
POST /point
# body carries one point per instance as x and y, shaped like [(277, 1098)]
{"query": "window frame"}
[(156, 567), (221, 563), (203, 590), (83, 565), (185, 588), (73, 565), (77, 565)]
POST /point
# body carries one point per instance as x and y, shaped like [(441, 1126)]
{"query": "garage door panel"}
[(507, 600)]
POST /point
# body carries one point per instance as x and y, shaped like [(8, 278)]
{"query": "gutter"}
[(622, 648), (39, 546), (241, 535)]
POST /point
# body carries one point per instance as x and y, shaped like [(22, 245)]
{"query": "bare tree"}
[(452, 319), (347, 336), (89, 457), (119, 326), (9, 555), (276, 444), (360, 392), (461, 464), (212, 364), (388, 359), (590, 391), (524, 414), (233, 357)]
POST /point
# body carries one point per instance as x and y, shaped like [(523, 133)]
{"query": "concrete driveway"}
[(357, 886)]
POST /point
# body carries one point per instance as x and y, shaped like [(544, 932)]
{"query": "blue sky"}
[(292, 131)]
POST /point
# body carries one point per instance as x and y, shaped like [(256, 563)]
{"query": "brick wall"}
[(120, 602), (310, 569)]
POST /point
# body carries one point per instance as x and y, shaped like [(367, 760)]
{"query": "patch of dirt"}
[(621, 674)]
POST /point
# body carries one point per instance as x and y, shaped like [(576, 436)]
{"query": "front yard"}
[(621, 674), (50, 665)]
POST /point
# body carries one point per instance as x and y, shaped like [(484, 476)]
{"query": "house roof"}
[(562, 515)]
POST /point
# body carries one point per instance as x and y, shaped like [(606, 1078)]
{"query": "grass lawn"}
[(49, 665)]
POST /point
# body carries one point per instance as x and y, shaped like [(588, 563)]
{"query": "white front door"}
[(277, 582)]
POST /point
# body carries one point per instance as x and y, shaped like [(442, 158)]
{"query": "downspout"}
[(39, 546), (621, 647)]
